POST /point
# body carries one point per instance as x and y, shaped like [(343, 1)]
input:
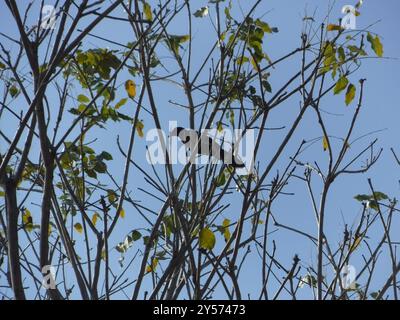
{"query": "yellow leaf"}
[(147, 11), (350, 94), (341, 84), (27, 220), (223, 36), (206, 239), (122, 213), (333, 27), (153, 266), (130, 87), (26, 216), (95, 217), (241, 60), (112, 197), (376, 44), (227, 233), (254, 64), (121, 103), (356, 243), (325, 143), (184, 38), (219, 126), (139, 128), (78, 227)]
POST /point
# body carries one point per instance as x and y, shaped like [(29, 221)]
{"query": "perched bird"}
[(205, 145)]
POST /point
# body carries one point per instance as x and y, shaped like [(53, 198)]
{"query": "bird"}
[(205, 145)]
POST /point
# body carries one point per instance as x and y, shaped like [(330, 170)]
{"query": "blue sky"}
[(380, 111)]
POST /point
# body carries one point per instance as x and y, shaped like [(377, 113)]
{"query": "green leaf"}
[(106, 156), (100, 167), (379, 196), (43, 68), (174, 42), (91, 173), (342, 56), (231, 116), (83, 99), (206, 239), (374, 295), (168, 225), (376, 44), (220, 127), (14, 91), (135, 235), (355, 49), (341, 84), (267, 86), (264, 26), (242, 60), (373, 205), (123, 247), (221, 180), (2, 65), (350, 94), (329, 57), (201, 13), (227, 12), (362, 197)]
